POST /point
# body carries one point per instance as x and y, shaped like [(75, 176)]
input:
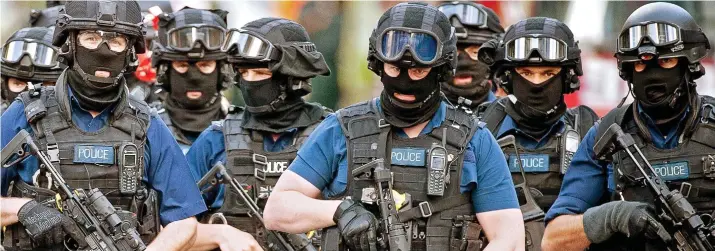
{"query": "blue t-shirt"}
[(210, 148), (166, 170), (323, 162), (589, 182)]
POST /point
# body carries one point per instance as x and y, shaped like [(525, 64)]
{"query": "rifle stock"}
[(95, 216), (278, 241)]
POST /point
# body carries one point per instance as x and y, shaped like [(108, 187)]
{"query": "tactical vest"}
[(436, 222), (689, 167), (545, 184), (544, 167), (88, 160), (255, 168)]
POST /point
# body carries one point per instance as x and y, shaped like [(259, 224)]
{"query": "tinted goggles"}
[(424, 46), (184, 38), (467, 14), (246, 45), (550, 49), (659, 34)]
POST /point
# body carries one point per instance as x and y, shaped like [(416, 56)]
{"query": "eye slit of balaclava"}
[(192, 88)]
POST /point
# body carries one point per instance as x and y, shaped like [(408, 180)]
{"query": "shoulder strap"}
[(494, 115), (615, 116), (360, 120), (459, 127), (581, 119)]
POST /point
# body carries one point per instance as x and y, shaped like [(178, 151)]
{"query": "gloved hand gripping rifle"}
[(687, 227), (102, 228), (277, 241)]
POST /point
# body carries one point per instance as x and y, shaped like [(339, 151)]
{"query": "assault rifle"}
[(687, 227), (102, 228), (277, 241), (394, 235)]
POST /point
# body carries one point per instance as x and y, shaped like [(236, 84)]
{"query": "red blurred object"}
[(145, 72)]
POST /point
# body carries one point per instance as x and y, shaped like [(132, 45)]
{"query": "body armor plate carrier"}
[(450, 223), (544, 186), (256, 169), (689, 167), (87, 159)]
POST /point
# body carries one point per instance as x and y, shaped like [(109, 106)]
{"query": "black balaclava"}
[(193, 115), (537, 107), (406, 114), (659, 91), (475, 92), (7, 94), (91, 94), (268, 102)]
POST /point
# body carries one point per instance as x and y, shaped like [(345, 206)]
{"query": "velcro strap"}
[(443, 204)]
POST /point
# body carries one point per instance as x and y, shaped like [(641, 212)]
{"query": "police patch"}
[(532, 163), (408, 156), (94, 154), (672, 171)]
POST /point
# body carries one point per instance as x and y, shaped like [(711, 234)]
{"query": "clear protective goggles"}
[(424, 46), (91, 39), (247, 45), (41, 53), (659, 34), (550, 49), (467, 14), (184, 38)]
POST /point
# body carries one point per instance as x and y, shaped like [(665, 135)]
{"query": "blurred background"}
[(340, 30)]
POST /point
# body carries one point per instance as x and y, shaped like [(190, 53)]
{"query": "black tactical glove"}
[(47, 226), (629, 218), (357, 226)]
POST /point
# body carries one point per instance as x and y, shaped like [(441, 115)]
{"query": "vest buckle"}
[(53, 152), (425, 209), (685, 191), (260, 159), (381, 123), (260, 174), (709, 166)]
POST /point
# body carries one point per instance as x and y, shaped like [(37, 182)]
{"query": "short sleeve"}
[(488, 176), (167, 172), (320, 157)]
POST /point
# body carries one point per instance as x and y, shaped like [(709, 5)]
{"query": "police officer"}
[(659, 53), (192, 70), (28, 58), (546, 132), (275, 60), (474, 24), (429, 143), (94, 132)]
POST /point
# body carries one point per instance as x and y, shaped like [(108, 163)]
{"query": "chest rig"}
[(444, 222), (546, 165), (689, 167), (111, 159), (253, 167)]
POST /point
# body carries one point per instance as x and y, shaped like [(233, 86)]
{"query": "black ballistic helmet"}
[(108, 15), (418, 17), (22, 65), (187, 18), (45, 18), (680, 36), (469, 32), (286, 50), (499, 54)]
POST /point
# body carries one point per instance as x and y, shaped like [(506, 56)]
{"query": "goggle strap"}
[(690, 36)]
